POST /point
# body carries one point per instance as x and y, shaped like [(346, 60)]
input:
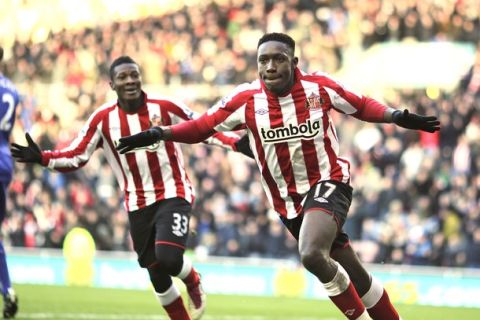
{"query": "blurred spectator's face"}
[(127, 81), (276, 65)]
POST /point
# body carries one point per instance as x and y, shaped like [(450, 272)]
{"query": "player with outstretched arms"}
[(286, 113), (158, 192)]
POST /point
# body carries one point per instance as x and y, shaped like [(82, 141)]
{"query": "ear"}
[(112, 85), (295, 61)]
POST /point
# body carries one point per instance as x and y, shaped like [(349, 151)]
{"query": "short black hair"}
[(1, 54), (280, 37), (119, 61)]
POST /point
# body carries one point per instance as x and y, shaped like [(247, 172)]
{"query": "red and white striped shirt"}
[(292, 136), (146, 175)]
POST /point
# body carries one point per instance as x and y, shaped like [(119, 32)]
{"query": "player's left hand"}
[(142, 139), (408, 120), (243, 146), (27, 154)]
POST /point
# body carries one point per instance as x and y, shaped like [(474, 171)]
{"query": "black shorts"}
[(164, 222), (332, 197)]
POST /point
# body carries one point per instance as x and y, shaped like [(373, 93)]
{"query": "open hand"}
[(27, 154), (142, 139), (408, 120)]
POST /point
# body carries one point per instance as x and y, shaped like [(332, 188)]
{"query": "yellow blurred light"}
[(433, 93)]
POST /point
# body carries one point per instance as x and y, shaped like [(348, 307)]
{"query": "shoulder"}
[(158, 98), (165, 101), (321, 78), (243, 92), (8, 85), (103, 110)]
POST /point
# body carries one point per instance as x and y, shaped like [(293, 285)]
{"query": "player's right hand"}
[(27, 154), (142, 139), (243, 146)]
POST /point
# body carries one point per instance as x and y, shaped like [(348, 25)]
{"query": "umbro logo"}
[(261, 111), (178, 233), (321, 199), (349, 312)]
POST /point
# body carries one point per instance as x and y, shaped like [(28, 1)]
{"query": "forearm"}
[(187, 132), (374, 111), (64, 161)]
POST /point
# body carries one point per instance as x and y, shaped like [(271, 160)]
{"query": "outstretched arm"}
[(227, 115), (71, 158), (374, 111), (371, 110), (193, 131)]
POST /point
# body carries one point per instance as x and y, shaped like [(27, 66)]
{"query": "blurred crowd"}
[(416, 195)]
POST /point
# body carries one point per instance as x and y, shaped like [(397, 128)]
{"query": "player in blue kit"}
[(9, 101)]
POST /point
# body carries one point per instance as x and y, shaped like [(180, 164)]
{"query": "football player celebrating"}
[(158, 192), (287, 116)]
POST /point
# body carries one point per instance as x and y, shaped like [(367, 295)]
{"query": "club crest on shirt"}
[(313, 102), (155, 120)]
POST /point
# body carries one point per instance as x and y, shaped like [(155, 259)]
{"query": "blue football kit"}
[(9, 100)]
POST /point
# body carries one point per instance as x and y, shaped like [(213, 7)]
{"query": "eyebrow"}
[(127, 72), (266, 55)]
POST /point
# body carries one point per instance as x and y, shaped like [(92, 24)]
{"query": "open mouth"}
[(132, 91)]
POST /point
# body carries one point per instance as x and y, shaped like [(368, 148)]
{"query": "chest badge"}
[(313, 102), (156, 120)]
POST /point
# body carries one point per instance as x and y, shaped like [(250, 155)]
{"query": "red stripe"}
[(132, 162), (170, 106), (168, 243), (173, 158), (82, 146), (332, 157), (226, 140), (111, 145), (278, 203), (309, 149), (341, 175), (155, 166), (282, 151)]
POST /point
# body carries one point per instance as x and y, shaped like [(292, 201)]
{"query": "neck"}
[(131, 105)]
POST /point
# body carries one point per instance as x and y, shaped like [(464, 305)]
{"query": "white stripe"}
[(186, 268), (289, 116), (234, 119), (142, 160), (189, 191), (364, 316), (374, 294), (295, 147), (109, 154), (163, 158), (132, 200), (75, 162), (339, 102), (345, 172), (322, 156), (339, 283), (115, 135), (262, 120), (167, 297)]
